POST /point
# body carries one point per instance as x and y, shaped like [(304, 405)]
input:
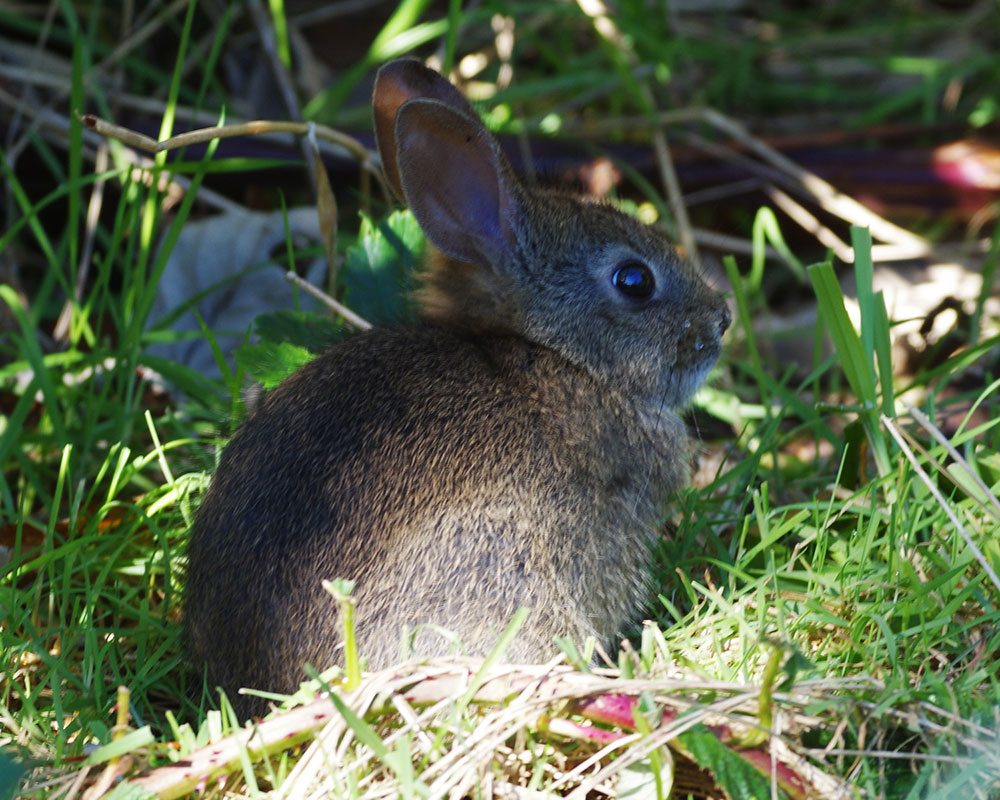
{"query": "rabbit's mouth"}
[(689, 376)]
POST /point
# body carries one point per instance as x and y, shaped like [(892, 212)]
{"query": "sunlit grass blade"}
[(857, 367)]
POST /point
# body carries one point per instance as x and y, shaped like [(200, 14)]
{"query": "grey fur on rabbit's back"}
[(515, 449)]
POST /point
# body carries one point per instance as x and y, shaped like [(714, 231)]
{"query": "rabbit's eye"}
[(634, 279)]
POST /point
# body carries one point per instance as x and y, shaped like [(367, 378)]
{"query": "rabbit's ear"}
[(396, 83), (456, 182)]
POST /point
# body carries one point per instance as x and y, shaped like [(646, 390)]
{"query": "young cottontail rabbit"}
[(514, 449)]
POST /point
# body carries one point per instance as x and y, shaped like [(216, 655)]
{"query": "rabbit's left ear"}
[(396, 83), (456, 182)]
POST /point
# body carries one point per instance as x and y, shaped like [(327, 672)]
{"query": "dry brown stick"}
[(432, 684), (339, 308), (837, 203), (45, 117), (252, 128), (150, 145), (729, 244), (808, 222), (147, 105), (668, 174), (273, 735)]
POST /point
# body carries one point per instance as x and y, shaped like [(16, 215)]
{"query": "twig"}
[(841, 205), (906, 244), (798, 213), (60, 124), (348, 316), (729, 244), (523, 694), (252, 128)]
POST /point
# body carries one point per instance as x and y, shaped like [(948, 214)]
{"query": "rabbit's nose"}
[(725, 318)]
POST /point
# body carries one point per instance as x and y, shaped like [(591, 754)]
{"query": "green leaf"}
[(272, 362), (378, 274), (856, 362), (362, 730), (846, 341), (739, 779), (119, 747), (12, 770), (403, 20), (306, 329)]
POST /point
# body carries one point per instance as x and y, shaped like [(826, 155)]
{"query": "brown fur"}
[(516, 449)]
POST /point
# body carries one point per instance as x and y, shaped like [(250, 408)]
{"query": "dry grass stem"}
[(894, 431), (253, 128), (922, 420), (461, 748), (339, 308), (57, 126)]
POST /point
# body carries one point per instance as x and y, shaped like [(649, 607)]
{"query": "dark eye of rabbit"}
[(634, 279)]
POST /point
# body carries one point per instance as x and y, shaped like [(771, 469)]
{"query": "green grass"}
[(820, 536)]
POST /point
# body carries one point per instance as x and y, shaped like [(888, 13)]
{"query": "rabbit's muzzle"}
[(701, 333)]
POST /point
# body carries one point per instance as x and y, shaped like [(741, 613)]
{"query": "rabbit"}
[(516, 447)]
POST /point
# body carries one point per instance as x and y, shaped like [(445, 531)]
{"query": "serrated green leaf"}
[(739, 779), (378, 273), (306, 329), (272, 362)]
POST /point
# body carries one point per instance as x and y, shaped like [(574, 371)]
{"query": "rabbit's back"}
[(454, 478)]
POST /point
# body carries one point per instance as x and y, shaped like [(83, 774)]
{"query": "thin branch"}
[(348, 316)]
